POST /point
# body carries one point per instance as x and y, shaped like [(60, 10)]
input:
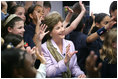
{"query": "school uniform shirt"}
[(54, 68), (28, 38), (41, 72), (108, 70), (29, 34), (84, 48)]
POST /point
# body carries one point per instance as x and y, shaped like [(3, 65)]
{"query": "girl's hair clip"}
[(10, 45)]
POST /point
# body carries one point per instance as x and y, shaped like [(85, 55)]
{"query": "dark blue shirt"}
[(29, 34), (108, 70), (84, 48)]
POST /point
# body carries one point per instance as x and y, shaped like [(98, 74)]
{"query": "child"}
[(17, 42), (17, 63), (19, 11), (108, 54), (33, 14), (13, 24), (84, 43)]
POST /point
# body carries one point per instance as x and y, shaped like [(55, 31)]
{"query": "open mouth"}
[(21, 34)]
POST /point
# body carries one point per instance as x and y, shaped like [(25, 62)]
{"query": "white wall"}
[(57, 6), (98, 6)]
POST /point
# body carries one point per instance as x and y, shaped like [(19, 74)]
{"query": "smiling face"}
[(58, 31), (20, 11), (40, 13), (18, 28)]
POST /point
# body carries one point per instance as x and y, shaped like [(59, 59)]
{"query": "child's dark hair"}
[(30, 11), (76, 8), (99, 17), (113, 6), (88, 23), (13, 9), (11, 23), (10, 5), (12, 39), (47, 4), (11, 59)]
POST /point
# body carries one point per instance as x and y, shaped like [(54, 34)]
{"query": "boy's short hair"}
[(47, 4)]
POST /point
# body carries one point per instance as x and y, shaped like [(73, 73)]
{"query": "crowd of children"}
[(37, 43)]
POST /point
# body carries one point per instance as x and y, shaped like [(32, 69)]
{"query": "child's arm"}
[(77, 20), (101, 31), (92, 70), (41, 72), (37, 29), (68, 17), (40, 35), (93, 16), (4, 7)]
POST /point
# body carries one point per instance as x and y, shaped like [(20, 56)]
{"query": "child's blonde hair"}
[(108, 51)]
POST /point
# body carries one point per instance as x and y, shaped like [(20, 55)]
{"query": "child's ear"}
[(31, 16), (9, 29)]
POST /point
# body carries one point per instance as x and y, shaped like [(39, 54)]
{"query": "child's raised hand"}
[(29, 50), (82, 6), (38, 19), (42, 32), (40, 56), (92, 15), (69, 9), (38, 22), (110, 24), (92, 70)]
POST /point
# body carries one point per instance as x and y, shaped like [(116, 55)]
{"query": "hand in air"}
[(68, 54)]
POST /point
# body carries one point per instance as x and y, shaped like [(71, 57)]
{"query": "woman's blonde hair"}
[(108, 51), (51, 20)]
